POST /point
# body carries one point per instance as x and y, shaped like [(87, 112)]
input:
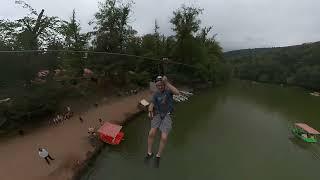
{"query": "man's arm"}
[(150, 108), (173, 89)]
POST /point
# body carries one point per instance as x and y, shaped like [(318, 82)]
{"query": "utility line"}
[(101, 52)]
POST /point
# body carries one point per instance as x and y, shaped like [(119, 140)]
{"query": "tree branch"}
[(38, 23), (27, 25)]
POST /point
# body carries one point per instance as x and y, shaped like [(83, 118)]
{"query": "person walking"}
[(43, 153), (160, 110)]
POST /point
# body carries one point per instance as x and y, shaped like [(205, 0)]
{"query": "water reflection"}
[(299, 143)]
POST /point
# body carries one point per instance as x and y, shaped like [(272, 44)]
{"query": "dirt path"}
[(67, 143)]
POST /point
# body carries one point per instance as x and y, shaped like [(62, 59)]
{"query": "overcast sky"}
[(239, 23)]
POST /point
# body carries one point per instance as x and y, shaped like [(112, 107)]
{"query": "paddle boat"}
[(186, 93), (176, 99), (315, 94), (305, 132), (184, 96), (111, 133), (180, 98)]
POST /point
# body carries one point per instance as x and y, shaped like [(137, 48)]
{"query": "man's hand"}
[(165, 80), (174, 90)]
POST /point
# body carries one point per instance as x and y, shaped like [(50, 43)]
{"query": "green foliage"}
[(33, 103), (30, 32), (295, 65), (34, 31), (141, 79), (8, 36), (112, 30), (193, 46), (186, 22), (73, 39)]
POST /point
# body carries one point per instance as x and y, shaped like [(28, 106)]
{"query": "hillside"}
[(294, 65)]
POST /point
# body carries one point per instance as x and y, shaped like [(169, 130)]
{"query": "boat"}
[(186, 93), (315, 94), (111, 133), (180, 98), (184, 96), (305, 132), (5, 100), (175, 98)]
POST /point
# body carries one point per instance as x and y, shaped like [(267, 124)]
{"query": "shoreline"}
[(68, 143), (82, 169), (278, 84)]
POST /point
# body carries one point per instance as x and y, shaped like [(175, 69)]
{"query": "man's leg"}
[(165, 128), (50, 157), (46, 158), (163, 142), (155, 124), (151, 136)]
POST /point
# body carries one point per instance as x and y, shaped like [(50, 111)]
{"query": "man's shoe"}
[(148, 157)]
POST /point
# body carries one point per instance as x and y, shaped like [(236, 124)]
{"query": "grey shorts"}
[(165, 124)]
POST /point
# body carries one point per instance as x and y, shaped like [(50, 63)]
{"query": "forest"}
[(294, 65), (46, 59)]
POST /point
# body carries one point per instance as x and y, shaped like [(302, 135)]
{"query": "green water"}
[(239, 131)]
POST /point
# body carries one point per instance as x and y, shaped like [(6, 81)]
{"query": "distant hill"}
[(296, 65)]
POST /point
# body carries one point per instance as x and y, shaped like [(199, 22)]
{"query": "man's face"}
[(160, 86)]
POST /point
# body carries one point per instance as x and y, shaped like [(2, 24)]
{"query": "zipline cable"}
[(163, 61)]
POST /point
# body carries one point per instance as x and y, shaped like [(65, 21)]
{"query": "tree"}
[(294, 65), (73, 39), (194, 47), (185, 23), (204, 34), (112, 30), (35, 29), (8, 35)]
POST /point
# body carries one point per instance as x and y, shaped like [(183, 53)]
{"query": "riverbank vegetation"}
[(295, 65), (67, 64)]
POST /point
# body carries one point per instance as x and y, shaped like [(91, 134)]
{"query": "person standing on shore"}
[(100, 122), (81, 120), (43, 153), (160, 110)]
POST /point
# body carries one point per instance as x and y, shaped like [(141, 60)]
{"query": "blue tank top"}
[(163, 102)]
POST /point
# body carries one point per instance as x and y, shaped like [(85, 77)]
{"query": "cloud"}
[(239, 23)]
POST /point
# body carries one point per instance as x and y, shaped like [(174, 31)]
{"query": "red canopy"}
[(307, 128), (109, 129)]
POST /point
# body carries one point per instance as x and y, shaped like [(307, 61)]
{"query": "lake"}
[(236, 131)]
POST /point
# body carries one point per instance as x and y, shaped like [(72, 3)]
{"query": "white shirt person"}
[(43, 153)]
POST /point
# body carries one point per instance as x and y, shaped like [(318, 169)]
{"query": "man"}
[(69, 113), (160, 110), (81, 120), (100, 122), (44, 154)]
